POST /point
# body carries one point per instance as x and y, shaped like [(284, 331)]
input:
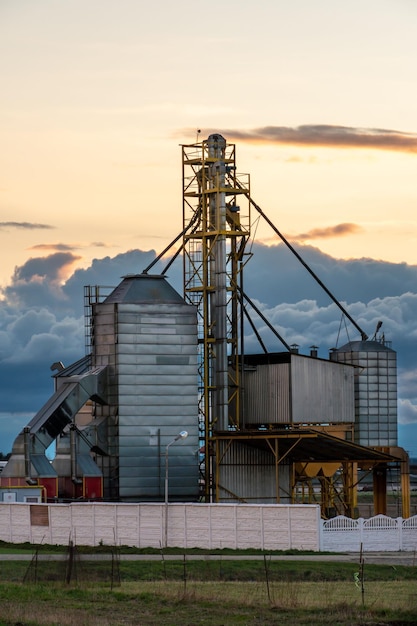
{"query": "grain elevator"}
[(165, 372)]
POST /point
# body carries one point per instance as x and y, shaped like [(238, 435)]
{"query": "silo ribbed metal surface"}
[(157, 388), (375, 391)]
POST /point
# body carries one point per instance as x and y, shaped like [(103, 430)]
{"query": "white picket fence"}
[(379, 533)]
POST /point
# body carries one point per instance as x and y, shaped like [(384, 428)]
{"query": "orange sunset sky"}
[(97, 96)]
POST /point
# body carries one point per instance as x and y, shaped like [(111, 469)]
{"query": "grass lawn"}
[(178, 604), (221, 592)]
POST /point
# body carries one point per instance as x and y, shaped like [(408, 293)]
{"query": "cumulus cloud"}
[(25, 225), (41, 315), (109, 271), (275, 275), (42, 321), (327, 136), (38, 282), (51, 267), (407, 412), (307, 323)]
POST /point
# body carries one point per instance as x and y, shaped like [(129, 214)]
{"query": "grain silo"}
[(147, 336), (376, 419), (375, 391)]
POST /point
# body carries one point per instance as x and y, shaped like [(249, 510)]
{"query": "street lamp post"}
[(182, 435)]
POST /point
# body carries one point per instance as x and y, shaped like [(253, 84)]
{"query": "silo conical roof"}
[(144, 289)]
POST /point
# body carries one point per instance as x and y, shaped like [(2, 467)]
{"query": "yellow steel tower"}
[(216, 227)]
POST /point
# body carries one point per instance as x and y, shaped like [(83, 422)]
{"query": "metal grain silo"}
[(375, 391), (147, 335)]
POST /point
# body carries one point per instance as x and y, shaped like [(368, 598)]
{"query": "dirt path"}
[(377, 558)]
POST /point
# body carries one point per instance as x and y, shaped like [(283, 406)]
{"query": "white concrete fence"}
[(379, 533), (209, 526)]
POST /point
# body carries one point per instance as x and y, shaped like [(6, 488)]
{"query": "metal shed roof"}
[(308, 445)]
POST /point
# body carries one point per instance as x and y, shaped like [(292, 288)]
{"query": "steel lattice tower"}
[(216, 229)]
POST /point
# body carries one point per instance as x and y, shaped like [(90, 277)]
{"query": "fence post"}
[(360, 527), (262, 529)]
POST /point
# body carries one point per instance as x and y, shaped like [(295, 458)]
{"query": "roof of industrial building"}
[(308, 445), (273, 358)]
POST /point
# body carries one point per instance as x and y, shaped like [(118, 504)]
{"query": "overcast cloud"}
[(41, 317)]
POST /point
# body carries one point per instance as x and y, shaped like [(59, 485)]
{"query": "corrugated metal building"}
[(289, 388)]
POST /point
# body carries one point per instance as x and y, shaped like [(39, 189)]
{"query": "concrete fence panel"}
[(209, 526)]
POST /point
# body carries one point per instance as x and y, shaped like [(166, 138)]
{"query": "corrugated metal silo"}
[(375, 391), (147, 334)]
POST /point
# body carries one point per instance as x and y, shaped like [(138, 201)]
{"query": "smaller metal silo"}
[(375, 391), (147, 335)]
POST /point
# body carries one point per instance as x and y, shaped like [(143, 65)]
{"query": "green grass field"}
[(213, 592), (179, 604)]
